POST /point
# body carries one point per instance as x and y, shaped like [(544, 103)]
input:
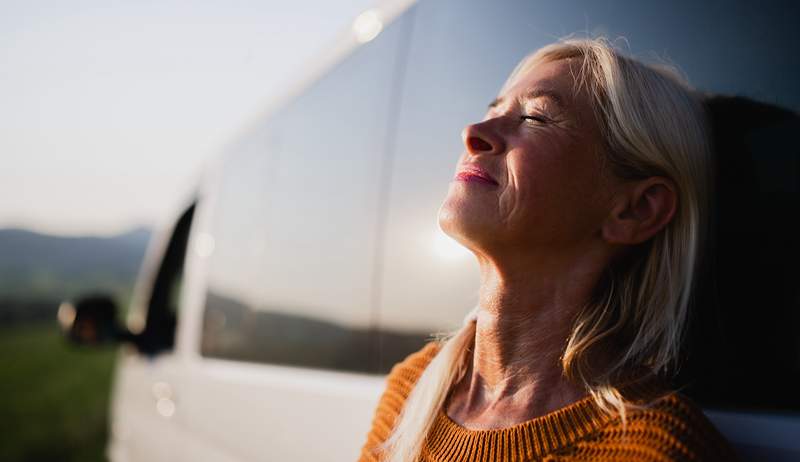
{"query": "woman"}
[(582, 194)]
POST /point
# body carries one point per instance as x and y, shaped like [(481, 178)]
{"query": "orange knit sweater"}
[(672, 429)]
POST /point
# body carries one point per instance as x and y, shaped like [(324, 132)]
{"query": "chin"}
[(466, 223)]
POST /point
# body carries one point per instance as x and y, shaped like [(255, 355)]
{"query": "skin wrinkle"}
[(539, 247), (503, 199)]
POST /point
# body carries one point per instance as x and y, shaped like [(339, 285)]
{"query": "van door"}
[(144, 399)]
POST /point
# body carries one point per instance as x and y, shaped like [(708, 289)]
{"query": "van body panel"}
[(760, 436), (139, 431), (272, 412)]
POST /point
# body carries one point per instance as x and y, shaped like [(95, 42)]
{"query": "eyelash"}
[(539, 119), (535, 118)]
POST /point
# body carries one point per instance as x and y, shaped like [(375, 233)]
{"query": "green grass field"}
[(53, 396)]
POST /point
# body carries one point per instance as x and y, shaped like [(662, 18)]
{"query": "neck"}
[(523, 324)]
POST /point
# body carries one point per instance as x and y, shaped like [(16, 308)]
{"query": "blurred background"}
[(109, 112), (302, 253)]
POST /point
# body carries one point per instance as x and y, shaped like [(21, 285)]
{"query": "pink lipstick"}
[(475, 174)]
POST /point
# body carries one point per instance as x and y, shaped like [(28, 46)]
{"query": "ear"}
[(640, 211)]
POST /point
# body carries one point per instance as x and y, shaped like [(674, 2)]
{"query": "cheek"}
[(554, 194), (536, 180)]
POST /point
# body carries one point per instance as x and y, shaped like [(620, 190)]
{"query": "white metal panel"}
[(254, 412), (141, 427)]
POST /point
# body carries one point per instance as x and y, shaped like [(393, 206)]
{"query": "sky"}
[(109, 110)]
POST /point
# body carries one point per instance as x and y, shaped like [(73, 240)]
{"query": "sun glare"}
[(446, 248), (367, 26)]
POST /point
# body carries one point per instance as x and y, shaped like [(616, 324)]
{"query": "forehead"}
[(553, 81)]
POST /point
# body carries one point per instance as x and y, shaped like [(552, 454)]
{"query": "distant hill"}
[(38, 270)]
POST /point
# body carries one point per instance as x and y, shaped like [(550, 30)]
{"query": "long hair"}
[(652, 124)]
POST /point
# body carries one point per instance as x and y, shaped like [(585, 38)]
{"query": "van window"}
[(291, 278), (429, 284), (743, 346), (162, 308)]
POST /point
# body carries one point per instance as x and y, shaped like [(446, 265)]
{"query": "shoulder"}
[(405, 374), (399, 383), (671, 428)]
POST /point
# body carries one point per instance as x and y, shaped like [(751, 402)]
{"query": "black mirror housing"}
[(92, 320)]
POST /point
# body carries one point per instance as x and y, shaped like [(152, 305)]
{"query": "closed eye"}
[(535, 118)]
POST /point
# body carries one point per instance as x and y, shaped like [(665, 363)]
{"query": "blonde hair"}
[(653, 124)]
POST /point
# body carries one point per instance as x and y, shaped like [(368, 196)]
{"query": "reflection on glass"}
[(232, 330), (291, 275)]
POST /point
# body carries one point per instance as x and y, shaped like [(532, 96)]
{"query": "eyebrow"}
[(533, 94)]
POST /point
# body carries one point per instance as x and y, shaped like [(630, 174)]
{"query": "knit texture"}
[(671, 429)]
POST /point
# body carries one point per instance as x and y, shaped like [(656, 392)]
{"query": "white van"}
[(310, 261)]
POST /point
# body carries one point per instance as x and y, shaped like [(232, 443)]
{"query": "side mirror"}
[(91, 320)]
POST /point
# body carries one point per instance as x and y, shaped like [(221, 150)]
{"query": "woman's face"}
[(530, 177)]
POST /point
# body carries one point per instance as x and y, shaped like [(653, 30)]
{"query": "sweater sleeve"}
[(399, 383)]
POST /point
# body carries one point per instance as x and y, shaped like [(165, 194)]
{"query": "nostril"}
[(478, 144)]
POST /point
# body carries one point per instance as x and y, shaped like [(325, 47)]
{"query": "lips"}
[(475, 174)]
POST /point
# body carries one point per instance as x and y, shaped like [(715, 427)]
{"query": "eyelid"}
[(536, 115), (541, 118)]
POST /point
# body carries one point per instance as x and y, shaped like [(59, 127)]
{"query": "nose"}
[(480, 138)]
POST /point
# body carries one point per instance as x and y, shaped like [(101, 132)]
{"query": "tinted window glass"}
[(460, 54), (291, 275), (744, 348), (162, 309)]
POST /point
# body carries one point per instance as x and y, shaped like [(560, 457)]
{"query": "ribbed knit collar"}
[(449, 441)]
